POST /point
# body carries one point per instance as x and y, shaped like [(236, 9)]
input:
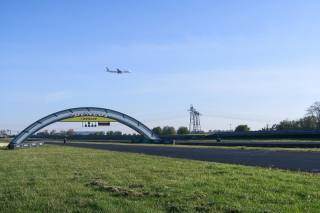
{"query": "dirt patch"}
[(176, 208), (122, 191), (180, 206), (134, 186)]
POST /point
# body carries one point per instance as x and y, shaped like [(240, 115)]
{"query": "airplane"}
[(117, 71)]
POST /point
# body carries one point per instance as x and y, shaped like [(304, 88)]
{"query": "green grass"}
[(66, 179)]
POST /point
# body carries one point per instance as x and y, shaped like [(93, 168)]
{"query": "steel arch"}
[(81, 111)]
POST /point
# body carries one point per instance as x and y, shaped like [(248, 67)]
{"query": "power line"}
[(239, 118)]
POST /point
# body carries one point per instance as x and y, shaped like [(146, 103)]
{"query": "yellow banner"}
[(89, 119)]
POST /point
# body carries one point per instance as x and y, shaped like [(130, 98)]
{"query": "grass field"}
[(66, 179)]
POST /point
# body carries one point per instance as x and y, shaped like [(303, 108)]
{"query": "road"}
[(278, 144), (296, 161)]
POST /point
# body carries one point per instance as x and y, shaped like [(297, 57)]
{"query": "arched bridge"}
[(83, 111)]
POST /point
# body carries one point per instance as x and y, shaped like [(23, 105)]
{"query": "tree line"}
[(71, 132), (167, 130), (311, 121), (170, 130)]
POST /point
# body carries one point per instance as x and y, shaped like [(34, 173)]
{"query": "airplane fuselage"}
[(117, 71)]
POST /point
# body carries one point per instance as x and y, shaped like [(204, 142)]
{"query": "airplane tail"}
[(107, 69)]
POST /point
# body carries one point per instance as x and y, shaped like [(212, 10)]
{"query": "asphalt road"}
[(278, 144), (303, 161)]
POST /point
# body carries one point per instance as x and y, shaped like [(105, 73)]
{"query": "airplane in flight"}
[(117, 71)]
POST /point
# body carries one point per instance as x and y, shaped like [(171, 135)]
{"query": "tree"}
[(287, 125), (62, 133), (242, 128), (44, 133), (157, 130), (268, 128), (110, 133), (183, 130), (117, 133), (308, 123), (3, 133), (168, 130), (53, 132), (314, 111), (100, 133), (70, 132)]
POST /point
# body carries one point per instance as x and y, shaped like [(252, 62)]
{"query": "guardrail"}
[(26, 145)]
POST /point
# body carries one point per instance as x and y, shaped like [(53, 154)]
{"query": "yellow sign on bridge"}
[(89, 119)]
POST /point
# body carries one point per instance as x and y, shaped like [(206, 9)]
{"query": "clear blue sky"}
[(253, 62)]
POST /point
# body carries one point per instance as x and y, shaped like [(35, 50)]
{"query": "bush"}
[(168, 130), (242, 128), (183, 130), (157, 130)]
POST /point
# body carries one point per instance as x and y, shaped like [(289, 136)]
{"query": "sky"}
[(237, 61)]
